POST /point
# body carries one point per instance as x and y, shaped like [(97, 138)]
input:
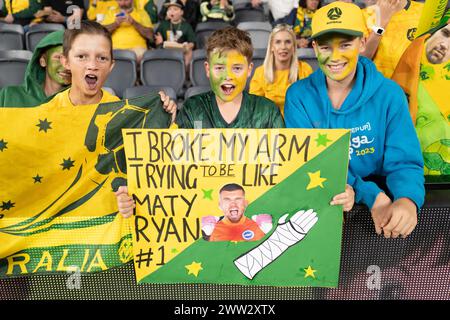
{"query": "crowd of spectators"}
[(382, 31)]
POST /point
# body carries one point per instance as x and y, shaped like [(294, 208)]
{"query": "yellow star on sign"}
[(194, 268), (309, 272), (315, 180)]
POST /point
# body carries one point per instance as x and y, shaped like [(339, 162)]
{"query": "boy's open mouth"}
[(91, 81), (227, 88)]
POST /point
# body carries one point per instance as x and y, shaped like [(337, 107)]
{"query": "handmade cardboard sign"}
[(244, 206)]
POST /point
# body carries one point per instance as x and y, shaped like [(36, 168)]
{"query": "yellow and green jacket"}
[(302, 26)]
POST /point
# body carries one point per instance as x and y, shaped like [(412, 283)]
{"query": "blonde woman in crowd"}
[(281, 67)]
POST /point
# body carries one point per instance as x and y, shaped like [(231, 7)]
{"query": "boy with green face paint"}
[(56, 76), (229, 53), (348, 92), (44, 76)]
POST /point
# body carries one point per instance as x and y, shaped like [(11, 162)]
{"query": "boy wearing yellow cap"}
[(348, 92)]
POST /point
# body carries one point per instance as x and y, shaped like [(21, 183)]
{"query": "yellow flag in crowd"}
[(424, 74), (58, 168), (431, 15)]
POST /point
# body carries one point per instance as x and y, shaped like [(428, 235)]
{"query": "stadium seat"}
[(264, 5), (11, 36), (308, 55), (258, 59), (192, 91), (197, 72), (143, 90), (123, 74), (241, 2), (163, 67), (13, 64), (204, 29), (39, 31), (259, 32), (244, 13)]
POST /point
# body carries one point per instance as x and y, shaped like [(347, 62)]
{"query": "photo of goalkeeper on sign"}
[(234, 225)]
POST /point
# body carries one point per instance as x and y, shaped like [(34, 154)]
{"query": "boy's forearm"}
[(408, 182), (416, 196), (365, 191), (403, 160)]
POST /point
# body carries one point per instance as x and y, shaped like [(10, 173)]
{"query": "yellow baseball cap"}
[(338, 17)]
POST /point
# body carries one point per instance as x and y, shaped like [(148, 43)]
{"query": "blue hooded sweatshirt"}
[(383, 139)]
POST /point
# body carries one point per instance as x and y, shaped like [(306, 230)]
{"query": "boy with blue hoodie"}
[(348, 92)]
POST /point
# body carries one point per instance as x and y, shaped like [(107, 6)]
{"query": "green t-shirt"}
[(180, 33), (256, 113)]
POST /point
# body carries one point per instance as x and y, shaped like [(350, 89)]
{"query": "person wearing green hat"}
[(348, 92), (44, 76)]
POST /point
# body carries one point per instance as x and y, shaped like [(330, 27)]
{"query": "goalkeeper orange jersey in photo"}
[(244, 230)]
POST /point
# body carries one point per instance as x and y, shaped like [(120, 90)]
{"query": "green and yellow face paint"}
[(55, 69), (228, 73), (337, 57)]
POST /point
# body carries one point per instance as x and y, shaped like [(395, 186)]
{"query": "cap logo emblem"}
[(334, 13)]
